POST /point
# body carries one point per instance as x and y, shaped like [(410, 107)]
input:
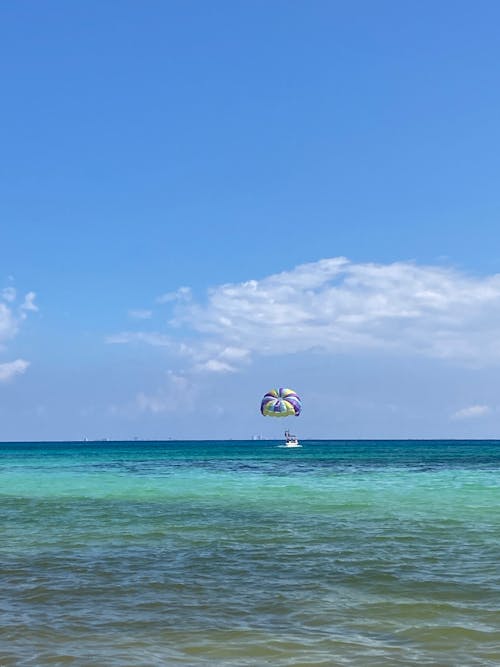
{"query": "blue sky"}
[(200, 201)]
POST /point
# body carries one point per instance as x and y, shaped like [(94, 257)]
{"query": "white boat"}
[(291, 440)]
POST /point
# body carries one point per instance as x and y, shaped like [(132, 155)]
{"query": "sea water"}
[(245, 553)]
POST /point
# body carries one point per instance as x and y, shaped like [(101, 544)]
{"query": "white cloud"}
[(11, 317), (178, 394), (334, 306), (182, 294), (214, 357), (151, 338), (337, 306), (8, 324), (140, 314), (9, 294), (29, 302), (12, 368), (154, 403), (215, 366), (471, 412)]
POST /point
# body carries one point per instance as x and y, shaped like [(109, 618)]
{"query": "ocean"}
[(229, 553)]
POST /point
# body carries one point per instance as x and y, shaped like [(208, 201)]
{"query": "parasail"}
[(281, 403)]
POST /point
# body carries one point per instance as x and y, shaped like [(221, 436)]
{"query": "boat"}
[(291, 440)]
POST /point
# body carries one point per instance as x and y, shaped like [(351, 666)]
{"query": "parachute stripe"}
[(282, 402)]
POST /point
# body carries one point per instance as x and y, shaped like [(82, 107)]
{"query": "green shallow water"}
[(244, 553)]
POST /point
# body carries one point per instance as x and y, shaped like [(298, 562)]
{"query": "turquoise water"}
[(245, 553)]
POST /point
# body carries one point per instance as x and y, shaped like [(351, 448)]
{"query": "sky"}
[(202, 201)]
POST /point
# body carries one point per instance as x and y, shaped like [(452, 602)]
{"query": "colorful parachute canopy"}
[(280, 403)]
